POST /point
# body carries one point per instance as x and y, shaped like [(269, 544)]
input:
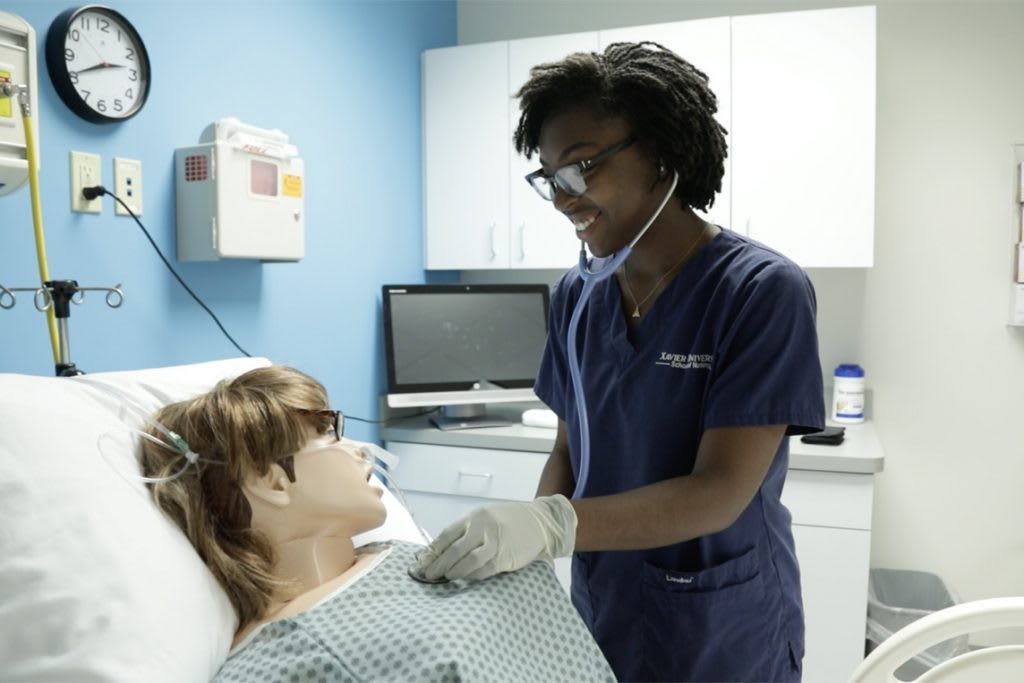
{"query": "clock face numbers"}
[(104, 69)]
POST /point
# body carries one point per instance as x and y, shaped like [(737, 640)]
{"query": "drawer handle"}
[(482, 475)]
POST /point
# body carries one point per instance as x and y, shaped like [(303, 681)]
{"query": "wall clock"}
[(98, 63)]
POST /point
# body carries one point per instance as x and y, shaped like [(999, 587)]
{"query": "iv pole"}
[(55, 294), (55, 297)]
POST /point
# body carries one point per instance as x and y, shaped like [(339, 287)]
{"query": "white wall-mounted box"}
[(239, 194), (17, 67)]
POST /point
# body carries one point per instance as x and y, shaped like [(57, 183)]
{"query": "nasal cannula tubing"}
[(414, 570), (590, 279), (376, 453)]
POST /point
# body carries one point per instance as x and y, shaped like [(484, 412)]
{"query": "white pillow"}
[(95, 583)]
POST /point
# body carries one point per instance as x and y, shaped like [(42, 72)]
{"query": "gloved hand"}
[(502, 538)]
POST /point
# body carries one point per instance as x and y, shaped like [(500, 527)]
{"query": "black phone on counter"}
[(829, 436)]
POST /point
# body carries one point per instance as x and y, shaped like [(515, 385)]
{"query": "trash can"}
[(897, 597)]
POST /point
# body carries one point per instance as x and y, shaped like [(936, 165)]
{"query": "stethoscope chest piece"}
[(416, 573)]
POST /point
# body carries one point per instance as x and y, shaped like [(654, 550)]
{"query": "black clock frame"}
[(61, 79)]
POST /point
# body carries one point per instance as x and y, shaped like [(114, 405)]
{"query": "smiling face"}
[(623, 191), (332, 492)]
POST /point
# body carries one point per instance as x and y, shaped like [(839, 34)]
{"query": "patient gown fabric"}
[(386, 627), (730, 342)]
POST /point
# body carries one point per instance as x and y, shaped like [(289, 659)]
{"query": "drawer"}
[(831, 499), (479, 472)]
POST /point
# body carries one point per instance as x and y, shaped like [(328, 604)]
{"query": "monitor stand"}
[(469, 416)]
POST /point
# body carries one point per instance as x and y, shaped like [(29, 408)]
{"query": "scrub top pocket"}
[(710, 625)]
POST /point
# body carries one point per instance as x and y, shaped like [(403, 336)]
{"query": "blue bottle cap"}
[(849, 370)]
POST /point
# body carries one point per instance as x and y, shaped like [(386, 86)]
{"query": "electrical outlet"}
[(128, 185), (85, 172)]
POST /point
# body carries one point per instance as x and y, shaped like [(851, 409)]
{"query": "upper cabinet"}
[(705, 44), (465, 156), (479, 212), (796, 91), (540, 236), (803, 135)]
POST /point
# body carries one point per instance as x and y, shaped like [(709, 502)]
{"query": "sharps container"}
[(848, 394)]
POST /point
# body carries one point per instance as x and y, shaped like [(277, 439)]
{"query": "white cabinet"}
[(796, 91), (478, 210), (465, 151), (803, 133), (832, 530), (704, 43), (540, 236)]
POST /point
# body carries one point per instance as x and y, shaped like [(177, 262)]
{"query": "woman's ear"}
[(272, 488)]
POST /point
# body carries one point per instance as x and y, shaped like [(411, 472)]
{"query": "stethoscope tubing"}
[(590, 279)]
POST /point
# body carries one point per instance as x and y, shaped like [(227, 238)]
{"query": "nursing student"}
[(698, 358)]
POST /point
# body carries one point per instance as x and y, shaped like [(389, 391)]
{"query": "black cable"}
[(93, 192), (391, 419)]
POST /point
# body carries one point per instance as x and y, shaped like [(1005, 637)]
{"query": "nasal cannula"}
[(590, 279)]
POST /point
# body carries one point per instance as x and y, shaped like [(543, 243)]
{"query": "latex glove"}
[(502, 538)]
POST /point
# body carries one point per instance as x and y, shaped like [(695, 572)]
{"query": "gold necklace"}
[(625, 277)]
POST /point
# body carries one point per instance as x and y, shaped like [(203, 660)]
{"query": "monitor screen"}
[(463, 343)]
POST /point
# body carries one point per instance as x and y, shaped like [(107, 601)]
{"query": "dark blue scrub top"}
[(731, 341)]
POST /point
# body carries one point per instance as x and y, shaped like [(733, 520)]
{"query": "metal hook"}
[(114, 298), (4, 292), (112, 292), (47, 299)]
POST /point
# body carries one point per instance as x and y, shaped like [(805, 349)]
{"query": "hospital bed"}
[(95, 584), (996, 663)]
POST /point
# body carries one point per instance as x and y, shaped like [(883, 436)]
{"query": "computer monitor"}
[(462, 346)]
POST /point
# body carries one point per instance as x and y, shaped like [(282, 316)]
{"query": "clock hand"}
[(101, 65)]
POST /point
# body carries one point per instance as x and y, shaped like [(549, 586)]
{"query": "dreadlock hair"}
[(664, 98), (241, 427)]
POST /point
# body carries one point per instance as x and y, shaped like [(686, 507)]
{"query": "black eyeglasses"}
[(569, 178), (336, 417)]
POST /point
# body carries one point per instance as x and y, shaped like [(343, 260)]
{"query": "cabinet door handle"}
[(494, 241), (482, 475), (522, 240)]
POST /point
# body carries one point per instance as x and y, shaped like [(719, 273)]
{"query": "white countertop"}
[(860, 453)]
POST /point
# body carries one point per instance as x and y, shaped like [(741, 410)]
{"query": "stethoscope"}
[(590, 279)]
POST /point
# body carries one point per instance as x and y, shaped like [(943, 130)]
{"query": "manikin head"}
[(272, 471)]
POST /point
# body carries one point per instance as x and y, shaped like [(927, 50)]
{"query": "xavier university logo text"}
[(686, 361)]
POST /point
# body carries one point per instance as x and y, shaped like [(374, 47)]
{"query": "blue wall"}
[(342, 79)]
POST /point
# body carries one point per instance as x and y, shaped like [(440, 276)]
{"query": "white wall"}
[(928, 322)]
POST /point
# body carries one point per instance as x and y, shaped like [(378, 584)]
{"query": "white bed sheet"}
[(95, 583)]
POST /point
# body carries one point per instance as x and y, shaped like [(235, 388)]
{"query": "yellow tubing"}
[(37, 222)]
